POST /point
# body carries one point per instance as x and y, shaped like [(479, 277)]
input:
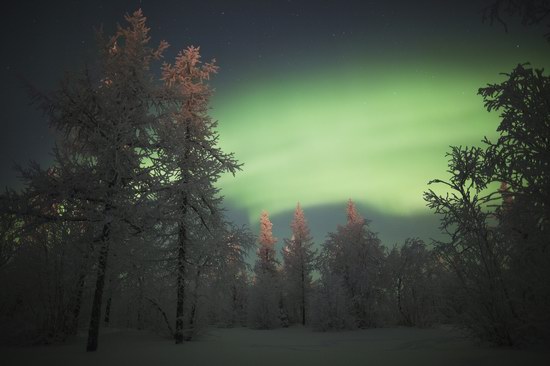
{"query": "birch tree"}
[(497, 244)]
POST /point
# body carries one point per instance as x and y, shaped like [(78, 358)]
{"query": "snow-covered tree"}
[(265, 298), (42, 281), (134, 174), (353, 258), (498, 238), (138, 156), (298, 265), (103, 116), (229, 279), (414, 277), (188, 162)]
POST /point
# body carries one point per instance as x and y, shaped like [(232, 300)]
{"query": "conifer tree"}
[(265, 296), (352, 257), (134, 174), (298, 257), (105, 125), (189, 162), (353, 215), (266, 253)]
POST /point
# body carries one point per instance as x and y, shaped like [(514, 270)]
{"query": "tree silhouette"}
[(531, 12), (499, 242)]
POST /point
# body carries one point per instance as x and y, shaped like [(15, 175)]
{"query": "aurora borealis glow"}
[(321, 100), (373, 132)]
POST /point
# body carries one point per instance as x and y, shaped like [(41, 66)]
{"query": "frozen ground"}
[(281, 347)]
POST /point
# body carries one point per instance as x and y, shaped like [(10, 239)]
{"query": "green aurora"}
[(375, 131)]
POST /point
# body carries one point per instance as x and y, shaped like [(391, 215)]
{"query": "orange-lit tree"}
[(264, 307), (298, 265), (351, 263), (188, 162)]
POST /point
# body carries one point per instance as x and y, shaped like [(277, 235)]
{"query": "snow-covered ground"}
[(281, 347)]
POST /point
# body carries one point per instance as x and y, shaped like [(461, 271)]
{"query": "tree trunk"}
[(404, 314), (76, 300), (182, 247), (140, 315), (235, 306), (107, 318), (195, 301), (76, 303), (303, 297), (163, 313), (93, 331)]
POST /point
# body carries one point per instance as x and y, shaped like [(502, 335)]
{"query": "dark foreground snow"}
[(281, 347)]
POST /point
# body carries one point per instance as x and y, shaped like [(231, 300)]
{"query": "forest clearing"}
[(294, 346)]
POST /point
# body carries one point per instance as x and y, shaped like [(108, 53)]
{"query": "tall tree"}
[(105, 122), (230, 279), (136, 164), (353, 258), (498, 237), (264, 306), (298, 257), (189, 161)]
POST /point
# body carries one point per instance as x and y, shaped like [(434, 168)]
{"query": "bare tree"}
[(531, 12)]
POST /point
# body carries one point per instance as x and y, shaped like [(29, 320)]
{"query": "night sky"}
[(321, 100)]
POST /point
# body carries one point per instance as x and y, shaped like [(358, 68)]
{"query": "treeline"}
[(351, 282), (490, 277)]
